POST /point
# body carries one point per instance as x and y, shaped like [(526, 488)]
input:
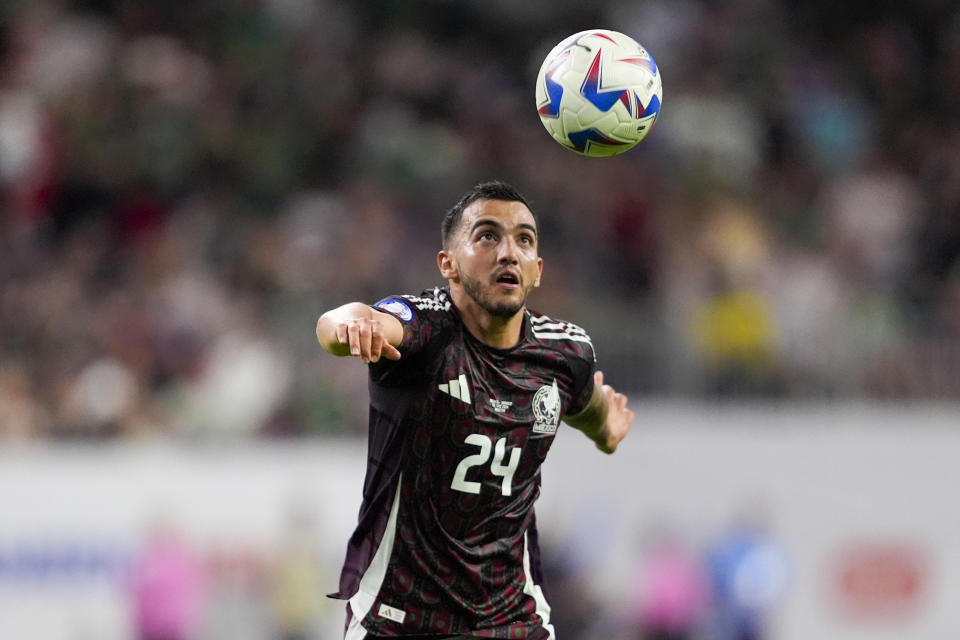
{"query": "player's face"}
[(495, 257)]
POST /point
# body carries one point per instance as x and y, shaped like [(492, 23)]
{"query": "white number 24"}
[(497, 468)]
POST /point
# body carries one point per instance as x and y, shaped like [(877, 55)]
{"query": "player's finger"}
[(390, 352), (381, 348), (341, 330), (365, 338), (598, 378), (353, 337), (376, 341)]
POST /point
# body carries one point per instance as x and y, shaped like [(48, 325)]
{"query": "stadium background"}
[(772, 275)]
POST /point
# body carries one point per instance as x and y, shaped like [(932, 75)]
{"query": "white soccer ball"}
[(599, 93)]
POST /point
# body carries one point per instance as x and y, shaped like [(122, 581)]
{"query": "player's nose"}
[(508, 251)]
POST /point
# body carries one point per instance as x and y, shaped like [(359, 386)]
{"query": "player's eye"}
[(486, 236)]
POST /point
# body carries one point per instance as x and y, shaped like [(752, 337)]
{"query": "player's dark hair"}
[(490, 190)]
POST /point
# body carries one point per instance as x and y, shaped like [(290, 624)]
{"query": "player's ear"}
[(536, 282), (446, 264)]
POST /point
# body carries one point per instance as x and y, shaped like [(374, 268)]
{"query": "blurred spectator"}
[(237, 602), (21, 416), (166, 587), (749, 576), (671, 594), (733, 325), (297, 580), (575, 609), (735, 334), (239, 388)]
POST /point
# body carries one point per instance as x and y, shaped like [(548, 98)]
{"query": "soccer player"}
[(467, 389)]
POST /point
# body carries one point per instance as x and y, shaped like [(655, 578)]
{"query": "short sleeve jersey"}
[(446, 541)]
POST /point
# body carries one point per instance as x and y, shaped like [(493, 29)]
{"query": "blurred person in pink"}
[(166, 588), (671, 595)]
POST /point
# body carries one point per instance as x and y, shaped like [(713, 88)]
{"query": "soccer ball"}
[(598, 93)]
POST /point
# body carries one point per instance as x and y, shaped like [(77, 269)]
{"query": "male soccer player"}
[(467, 389)]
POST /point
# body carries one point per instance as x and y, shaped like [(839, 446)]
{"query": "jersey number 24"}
[(497, 467)]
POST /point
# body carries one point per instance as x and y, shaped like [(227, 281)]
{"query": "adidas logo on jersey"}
[(458, 388), (392, 613)]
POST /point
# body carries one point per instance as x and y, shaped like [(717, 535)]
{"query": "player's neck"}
[(493, 331)]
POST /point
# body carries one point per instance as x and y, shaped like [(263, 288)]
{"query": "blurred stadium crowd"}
[(184, 187)]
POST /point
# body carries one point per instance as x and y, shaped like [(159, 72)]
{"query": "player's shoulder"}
[(436, 299), (560, 334), (406, 306)]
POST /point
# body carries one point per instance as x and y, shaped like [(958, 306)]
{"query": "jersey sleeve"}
[(422, 317), (583, 364), (425, 319), (574, 347)]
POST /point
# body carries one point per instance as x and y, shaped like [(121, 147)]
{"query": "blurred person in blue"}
[(467, 390), (749, 575)]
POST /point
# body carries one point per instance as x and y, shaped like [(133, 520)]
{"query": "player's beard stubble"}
[(506, 308)]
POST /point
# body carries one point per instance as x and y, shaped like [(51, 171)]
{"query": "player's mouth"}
[(508, 280)]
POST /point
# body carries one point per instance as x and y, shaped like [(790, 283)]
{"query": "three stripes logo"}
[(457, 388)]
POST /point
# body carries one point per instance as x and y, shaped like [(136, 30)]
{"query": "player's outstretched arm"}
[(606, 419), (358, 330)]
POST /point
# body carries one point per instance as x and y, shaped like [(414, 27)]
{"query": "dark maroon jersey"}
[(446, 541)]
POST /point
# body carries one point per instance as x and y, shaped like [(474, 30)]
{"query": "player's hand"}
[(365, 338), (619, 418)]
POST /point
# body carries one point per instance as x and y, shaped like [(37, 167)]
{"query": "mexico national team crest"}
[(546, 409)]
